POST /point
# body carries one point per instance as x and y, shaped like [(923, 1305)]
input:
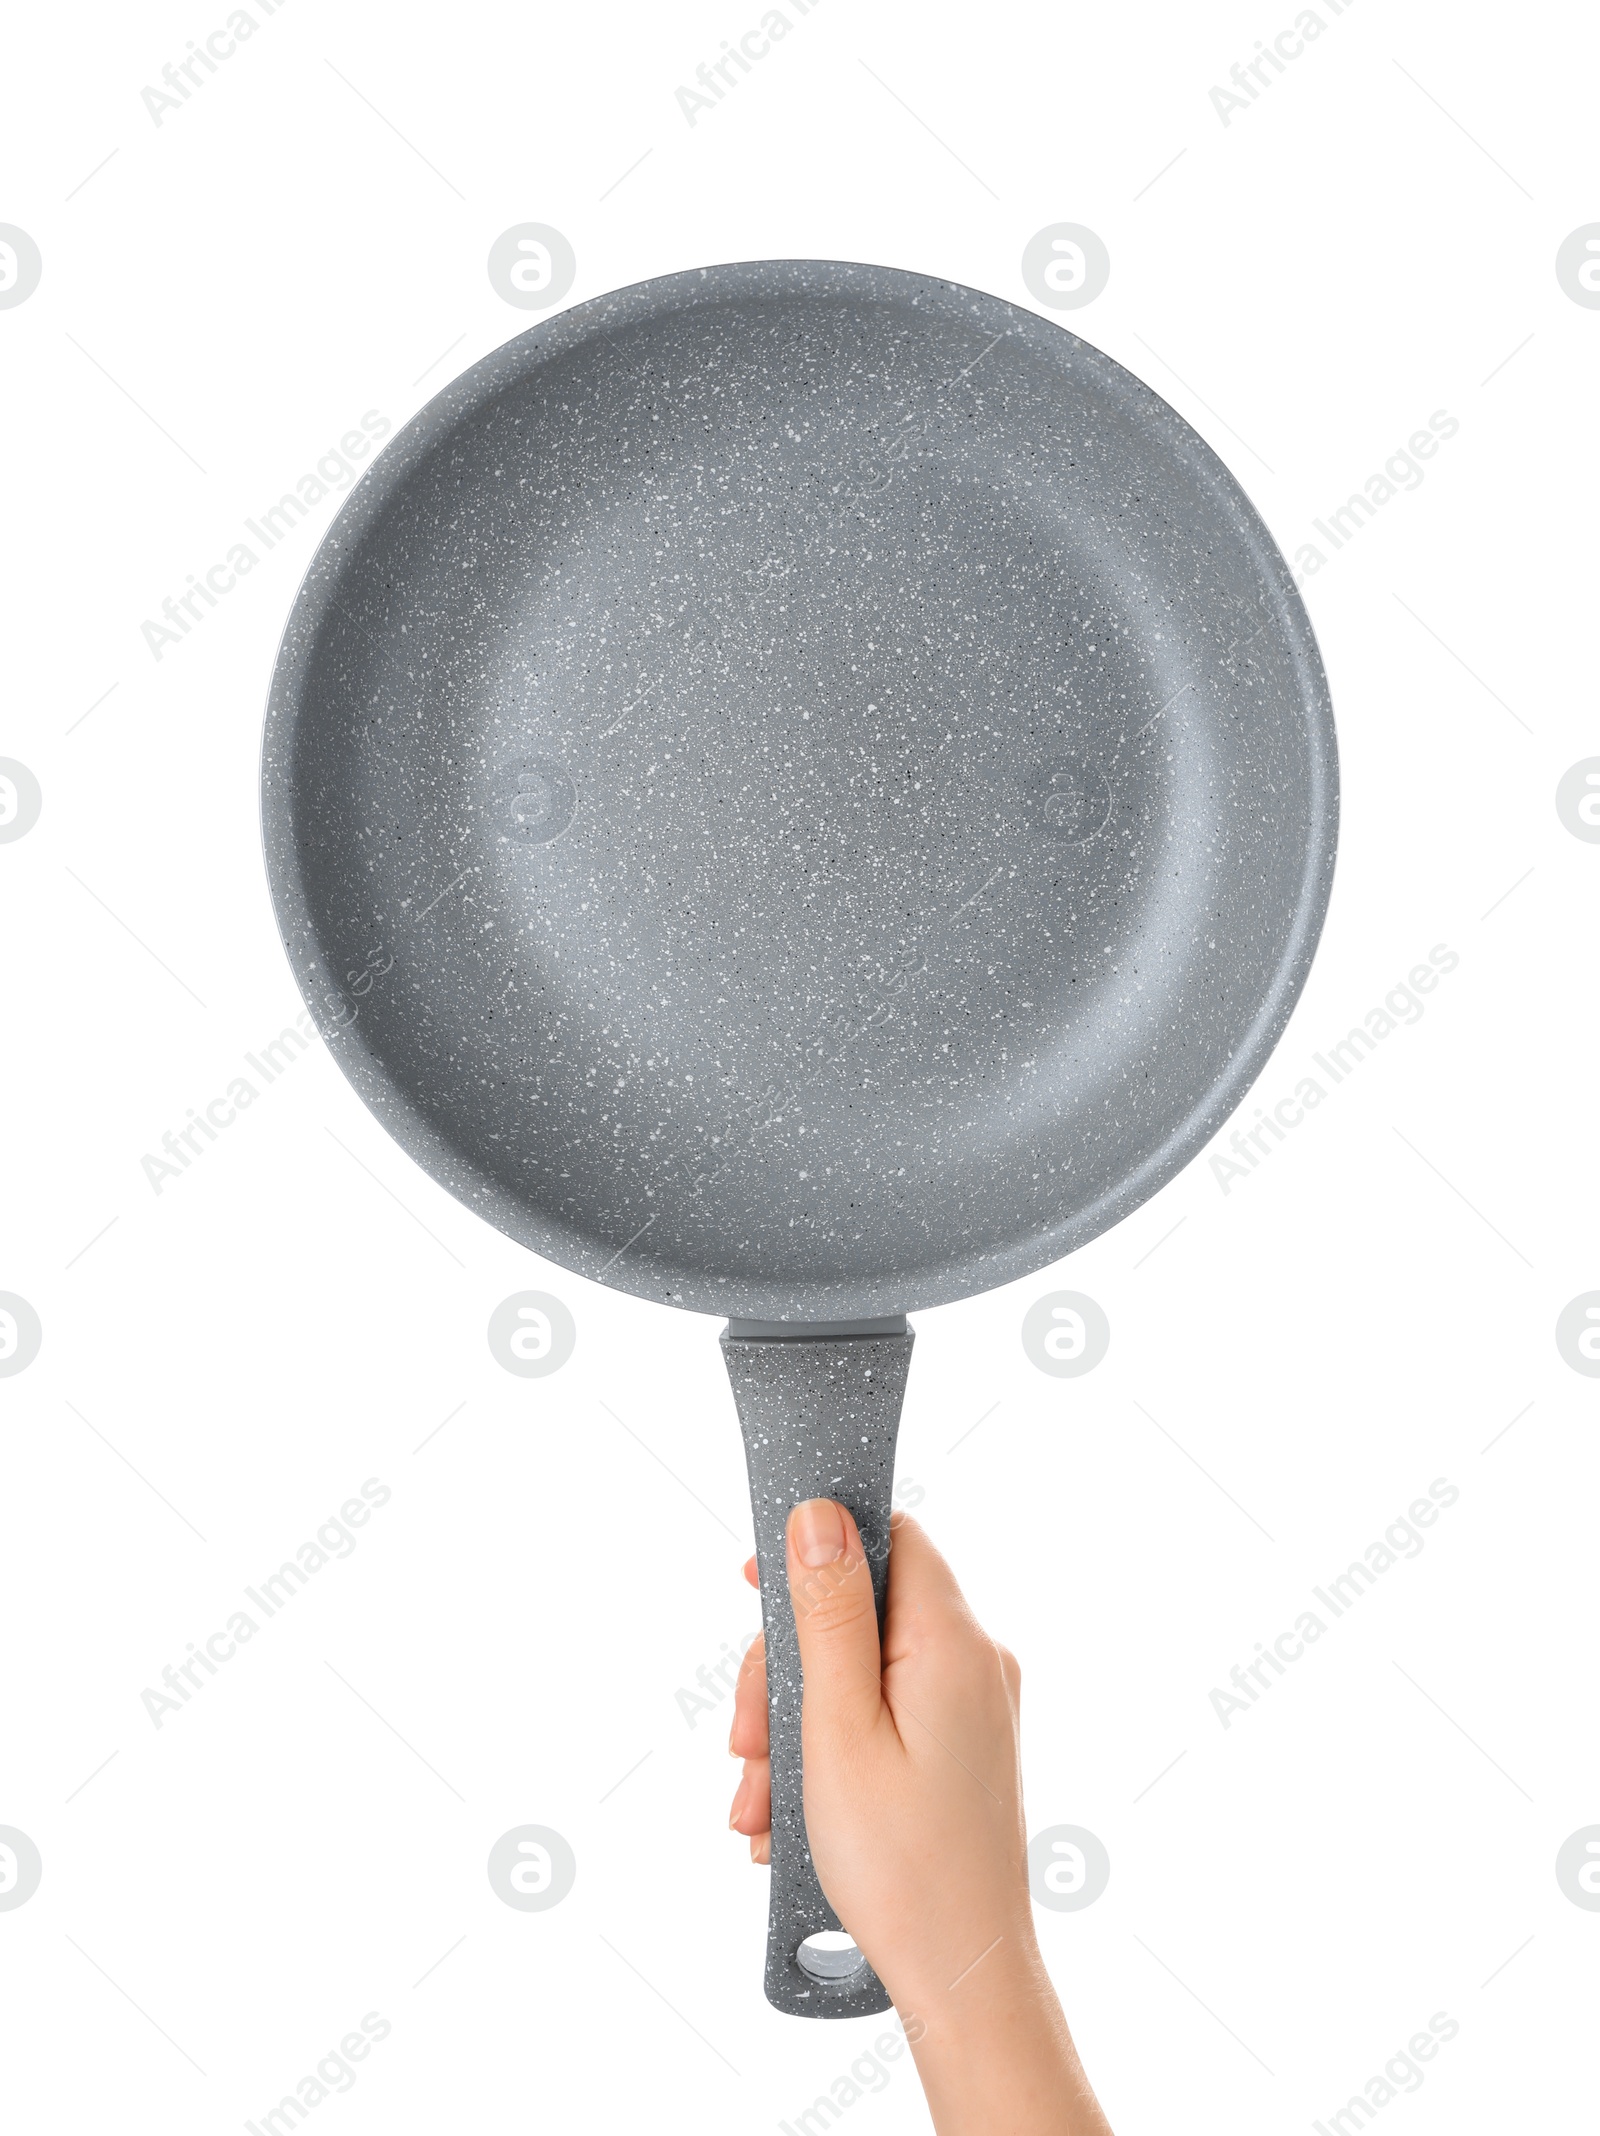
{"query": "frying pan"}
[(800, 791)]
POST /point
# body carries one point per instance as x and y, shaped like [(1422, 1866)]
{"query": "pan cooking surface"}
[(800, 789)]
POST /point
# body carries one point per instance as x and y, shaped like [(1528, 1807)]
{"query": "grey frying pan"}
[(848, 790)]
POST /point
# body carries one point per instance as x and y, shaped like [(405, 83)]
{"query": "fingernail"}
[(732, 1732), (816, 1528), (761, 1847), (740, 1796)]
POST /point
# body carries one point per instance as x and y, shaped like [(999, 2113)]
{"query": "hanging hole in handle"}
[(831, 1957)]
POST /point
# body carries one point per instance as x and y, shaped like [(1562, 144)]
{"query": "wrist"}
[(993, 2050), (996, 1970)]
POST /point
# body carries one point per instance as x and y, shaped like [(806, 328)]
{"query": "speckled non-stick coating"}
[(799, 790)]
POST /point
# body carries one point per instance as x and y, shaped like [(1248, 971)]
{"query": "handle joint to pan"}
[(813, 1330)]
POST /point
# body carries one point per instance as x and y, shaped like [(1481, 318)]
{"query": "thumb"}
[(830, 1585)]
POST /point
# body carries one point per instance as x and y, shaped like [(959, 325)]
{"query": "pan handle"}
[(820, 1410)]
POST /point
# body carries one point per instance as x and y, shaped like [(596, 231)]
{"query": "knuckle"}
[(834, 1598)]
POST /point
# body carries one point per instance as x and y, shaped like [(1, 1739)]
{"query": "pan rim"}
[(939, 1280)]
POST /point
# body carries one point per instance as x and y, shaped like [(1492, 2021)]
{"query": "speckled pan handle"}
[(820, 1410)]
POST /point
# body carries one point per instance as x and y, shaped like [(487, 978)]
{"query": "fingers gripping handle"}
[(820, 1413)]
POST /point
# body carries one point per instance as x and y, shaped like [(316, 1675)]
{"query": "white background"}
[(1371, 240)]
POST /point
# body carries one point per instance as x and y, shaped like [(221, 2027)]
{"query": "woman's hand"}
[(913, 1802)]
